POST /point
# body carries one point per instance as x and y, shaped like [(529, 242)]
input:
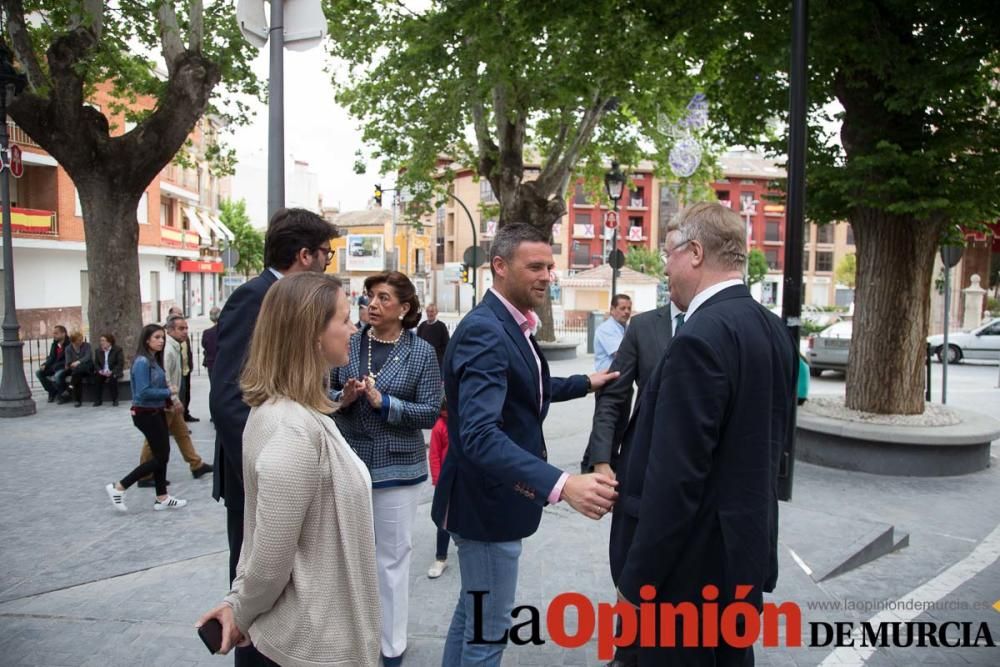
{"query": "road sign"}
[(611, 219), (474, 256), (16, 165), (230, 257), (616, 258), (305, 24), (950, 254)]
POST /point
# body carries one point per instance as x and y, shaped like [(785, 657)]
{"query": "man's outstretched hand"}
[(591, 495), (601, 378)]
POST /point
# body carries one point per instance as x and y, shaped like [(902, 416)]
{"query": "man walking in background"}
[(609, 334), (434, 332)]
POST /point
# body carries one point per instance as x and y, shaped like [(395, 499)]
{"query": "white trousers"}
[(395, 511)]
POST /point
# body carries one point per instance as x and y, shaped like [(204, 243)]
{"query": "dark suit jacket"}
[(56, 361), (209, 343), (436, 334), (698, 491), (645, 342), (495, 479), (225, 400), (116, 361)]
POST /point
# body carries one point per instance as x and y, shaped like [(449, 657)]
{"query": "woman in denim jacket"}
[(150, 398)]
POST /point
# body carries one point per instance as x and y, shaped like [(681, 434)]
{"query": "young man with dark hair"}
[(52, 371), (296, 240)]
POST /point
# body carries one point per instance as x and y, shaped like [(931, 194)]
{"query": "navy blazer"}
[(225, 399), (698, 486), (390, 441), (495, 479)]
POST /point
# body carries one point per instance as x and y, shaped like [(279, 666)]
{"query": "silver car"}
[(828, 349), (980, 343)]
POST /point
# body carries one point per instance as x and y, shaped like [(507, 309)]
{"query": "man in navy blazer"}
[(698, 506), (296, 240), (495, 479)]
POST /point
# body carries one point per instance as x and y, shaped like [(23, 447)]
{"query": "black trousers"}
[(234, 530), (76, 382), (186, 393), (112, 383), (153, 425), (249, 656), (443, 537)]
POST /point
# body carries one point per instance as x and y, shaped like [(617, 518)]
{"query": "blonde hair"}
[(285, 359), (76, 337), (718, 229)]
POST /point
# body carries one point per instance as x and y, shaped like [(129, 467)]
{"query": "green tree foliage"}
[(556, 85), (177, 52), (846, 271), (757, 266), (249, 241), (903, 129), (645, 260)]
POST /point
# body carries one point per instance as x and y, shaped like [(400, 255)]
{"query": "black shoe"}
[(189, 418), (52, 398), (148, 484), (61, 400), (98, 404), (78, 404), (114, 403), (201, 471)]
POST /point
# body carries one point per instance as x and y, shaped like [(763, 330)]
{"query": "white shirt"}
[(674, 312), (277, 274), (706, 294)]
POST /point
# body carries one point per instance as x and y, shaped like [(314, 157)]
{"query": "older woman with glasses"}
[(388, 393)]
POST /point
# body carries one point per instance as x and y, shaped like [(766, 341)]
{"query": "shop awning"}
[(197, 225), (213, 222)]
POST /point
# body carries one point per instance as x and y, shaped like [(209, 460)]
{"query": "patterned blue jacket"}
[(392, 446)]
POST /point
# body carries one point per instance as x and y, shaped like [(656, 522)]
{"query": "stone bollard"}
[(973, 303)]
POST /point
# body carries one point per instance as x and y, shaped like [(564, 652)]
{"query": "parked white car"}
[(829, 348), (981, 343)]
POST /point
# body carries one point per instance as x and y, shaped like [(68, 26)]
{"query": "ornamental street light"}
[(15, 397), (614, 183)]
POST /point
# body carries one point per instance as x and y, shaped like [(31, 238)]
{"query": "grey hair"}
[(718, 229), (172, 322), (509, 237), (214, 314)]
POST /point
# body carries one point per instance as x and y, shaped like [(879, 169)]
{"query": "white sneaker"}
[(117, 497), (170, 503), (437, 569)]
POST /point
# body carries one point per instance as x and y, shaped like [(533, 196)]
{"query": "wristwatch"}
[(590, 385)]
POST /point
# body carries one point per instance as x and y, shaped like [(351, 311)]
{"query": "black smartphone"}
[(211, 634)]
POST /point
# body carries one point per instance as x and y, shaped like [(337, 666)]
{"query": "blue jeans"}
[(484, 566)]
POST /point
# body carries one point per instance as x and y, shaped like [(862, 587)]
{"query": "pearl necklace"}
[(373, 338)]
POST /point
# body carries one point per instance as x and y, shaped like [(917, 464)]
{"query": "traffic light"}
[(465, 273), (378, 194)]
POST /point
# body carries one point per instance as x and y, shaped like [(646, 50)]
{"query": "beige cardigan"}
[(306, 587)]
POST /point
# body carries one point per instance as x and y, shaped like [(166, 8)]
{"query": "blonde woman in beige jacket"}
[(306, 587)]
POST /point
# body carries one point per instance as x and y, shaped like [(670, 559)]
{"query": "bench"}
[(90, 389)]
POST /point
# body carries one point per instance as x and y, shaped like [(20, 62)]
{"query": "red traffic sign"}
[(611, 219), (16, 165)]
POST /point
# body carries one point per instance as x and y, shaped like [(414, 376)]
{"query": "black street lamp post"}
[(15, 397), (614, 183)]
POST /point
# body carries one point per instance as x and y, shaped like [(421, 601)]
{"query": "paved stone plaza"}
[(84, 585)]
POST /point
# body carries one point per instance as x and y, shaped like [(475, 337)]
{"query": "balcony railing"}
[(33, 222), (19, 136)]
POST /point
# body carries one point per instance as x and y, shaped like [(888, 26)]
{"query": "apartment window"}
[(850, 235), (581, 254), (772, 231), (746, 181), (557, 248), (772, 258), (722, 195), (805, 261), (142, 211), (637, 198), (824, 261), (806, 232), (582, 219), (746, 203), (486, 191), (824, 234), (579, 196)]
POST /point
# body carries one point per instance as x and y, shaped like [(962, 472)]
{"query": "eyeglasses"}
[(665, 255), (326, 250)]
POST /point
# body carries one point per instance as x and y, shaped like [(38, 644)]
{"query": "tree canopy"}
[(757, 266), (503, 84), (249, 242)]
